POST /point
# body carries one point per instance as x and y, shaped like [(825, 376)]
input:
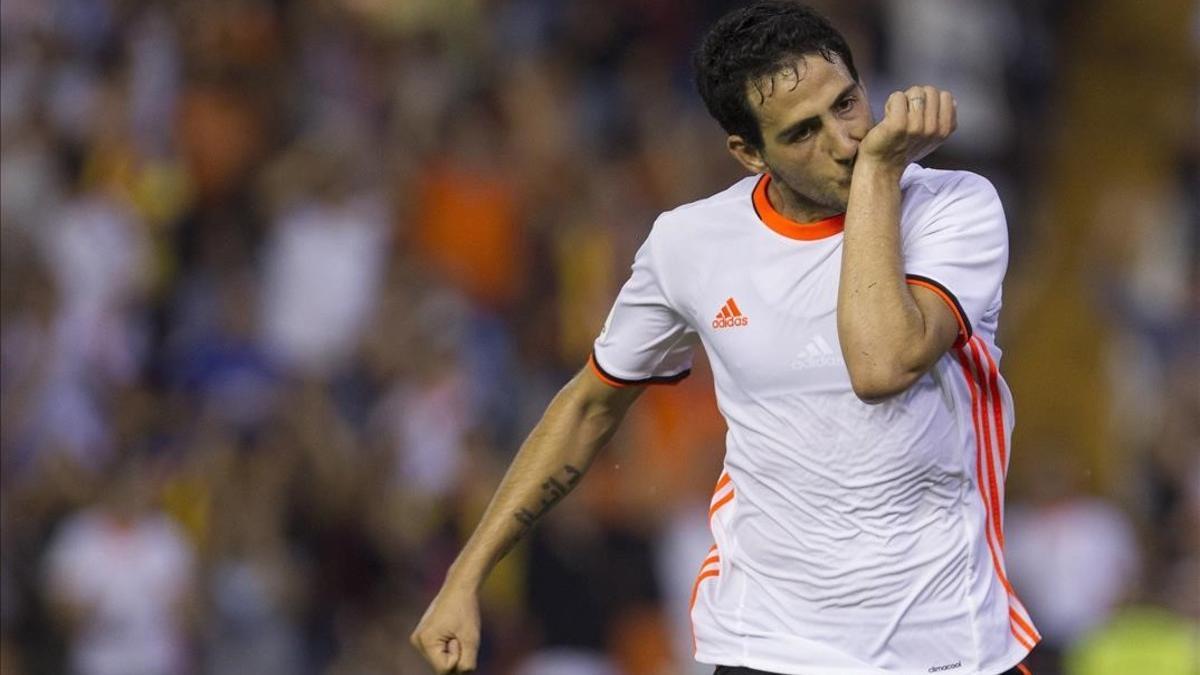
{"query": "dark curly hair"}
[(748, 44)]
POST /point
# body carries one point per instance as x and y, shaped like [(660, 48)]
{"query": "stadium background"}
[(286, 282)]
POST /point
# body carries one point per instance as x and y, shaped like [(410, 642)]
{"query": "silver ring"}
[(913, 100)]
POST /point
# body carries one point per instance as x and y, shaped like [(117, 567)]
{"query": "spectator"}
[(1074, 557), (324, 263), (121, 580)]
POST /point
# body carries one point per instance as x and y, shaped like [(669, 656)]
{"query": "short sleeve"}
[(644, 339), (959, 250)]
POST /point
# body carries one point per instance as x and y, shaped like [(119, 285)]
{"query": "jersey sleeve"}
[(959, 250), (644, 339)]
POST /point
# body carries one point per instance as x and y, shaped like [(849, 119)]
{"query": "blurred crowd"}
[(285, 283)]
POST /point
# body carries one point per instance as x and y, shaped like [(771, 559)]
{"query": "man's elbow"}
[(876, 385)]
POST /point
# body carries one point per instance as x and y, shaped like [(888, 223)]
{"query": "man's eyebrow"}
[(807, 122)]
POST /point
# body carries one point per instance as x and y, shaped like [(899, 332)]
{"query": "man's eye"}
[(846, 104), (802, 135)]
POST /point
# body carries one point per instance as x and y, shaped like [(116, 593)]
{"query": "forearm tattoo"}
[(553, 490)]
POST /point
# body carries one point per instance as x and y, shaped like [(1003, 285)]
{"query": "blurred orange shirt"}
[(221, 137), (468, 228)]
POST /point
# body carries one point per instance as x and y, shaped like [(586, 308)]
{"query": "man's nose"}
[(843, 143)]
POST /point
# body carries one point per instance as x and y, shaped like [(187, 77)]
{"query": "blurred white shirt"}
[(1073, 562), (324, 266), (99, 255), (129, 583), (566, 661)]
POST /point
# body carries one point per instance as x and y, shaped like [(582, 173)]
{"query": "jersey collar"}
[(787, 227)]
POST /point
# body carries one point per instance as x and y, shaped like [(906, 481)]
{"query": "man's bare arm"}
[(890, 332), (559, 450), (551, 462)]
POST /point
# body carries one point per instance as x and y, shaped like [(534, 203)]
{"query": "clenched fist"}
[(915, 122), (448, 635)]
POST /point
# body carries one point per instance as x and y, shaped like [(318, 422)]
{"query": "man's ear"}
[(746, 154)]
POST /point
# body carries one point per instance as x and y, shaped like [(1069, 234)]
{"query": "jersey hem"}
[(1011, 662), (772, 667)]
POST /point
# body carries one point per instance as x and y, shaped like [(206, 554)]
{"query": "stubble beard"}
[(830, 196)]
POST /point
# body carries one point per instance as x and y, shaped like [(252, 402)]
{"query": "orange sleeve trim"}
[(964, 325), (601, 374), (620, 382)]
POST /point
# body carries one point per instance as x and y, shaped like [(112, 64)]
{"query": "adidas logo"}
[(730, 316), (817, 354)]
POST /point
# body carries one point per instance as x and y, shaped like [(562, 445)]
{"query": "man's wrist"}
[(465, 574), (876, 167)]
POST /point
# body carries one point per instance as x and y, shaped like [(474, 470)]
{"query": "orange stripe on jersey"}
[(1033, 638), (977, 415), (994, 387), (706, 574), (721, 482), (976, 382), (703, 574), (1024, 669), (985, 428), (1023, 615), (692, 604), (983, 467), (720, 502)]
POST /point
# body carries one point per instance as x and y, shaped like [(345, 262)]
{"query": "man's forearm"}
[(877, 315), (548, 466)]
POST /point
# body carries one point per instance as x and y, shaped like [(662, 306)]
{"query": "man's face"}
[(812, 115)]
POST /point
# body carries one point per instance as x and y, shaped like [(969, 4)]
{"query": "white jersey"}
[(851, 539)]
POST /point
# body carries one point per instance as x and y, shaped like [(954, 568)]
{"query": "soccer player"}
[(848, 300)]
